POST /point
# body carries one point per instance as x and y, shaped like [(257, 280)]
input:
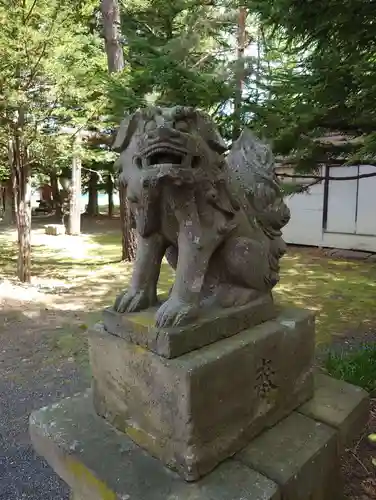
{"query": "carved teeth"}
[(164, 156)]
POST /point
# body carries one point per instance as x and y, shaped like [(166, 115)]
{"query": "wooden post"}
[(74, 224)]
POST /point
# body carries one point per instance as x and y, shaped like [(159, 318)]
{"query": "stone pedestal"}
[(295, 460), (241, 414), (195, 410)]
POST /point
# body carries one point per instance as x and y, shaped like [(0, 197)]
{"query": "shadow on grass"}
[(43, 337), (342, 293)]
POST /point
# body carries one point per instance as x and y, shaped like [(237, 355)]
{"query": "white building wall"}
[(342, 201), (305, 226), (366, 216), (351, 220)]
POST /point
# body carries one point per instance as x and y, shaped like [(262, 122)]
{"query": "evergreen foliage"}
[(321, 80)]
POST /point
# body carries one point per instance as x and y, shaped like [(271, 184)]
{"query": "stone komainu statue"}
[(217, 219)]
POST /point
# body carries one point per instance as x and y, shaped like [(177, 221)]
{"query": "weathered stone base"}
[(295, 460), (194, 411), (99, 463), (139, 328), (54, 229)]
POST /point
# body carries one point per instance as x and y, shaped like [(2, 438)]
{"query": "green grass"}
[(342, 293), (357, 367)]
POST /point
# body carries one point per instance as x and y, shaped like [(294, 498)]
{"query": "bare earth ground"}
[(43, 354)]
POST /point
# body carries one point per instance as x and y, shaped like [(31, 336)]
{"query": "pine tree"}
[(326, 84), (48, 80)]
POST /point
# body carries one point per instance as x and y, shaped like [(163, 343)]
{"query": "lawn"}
[(78, 276)]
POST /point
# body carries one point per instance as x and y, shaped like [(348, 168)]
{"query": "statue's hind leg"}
[(246, 263), (238, 273)]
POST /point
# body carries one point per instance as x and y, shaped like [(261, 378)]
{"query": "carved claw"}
[(134, 300), (173, 312)]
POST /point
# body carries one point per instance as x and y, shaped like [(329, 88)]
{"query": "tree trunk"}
[(115, 60), (74, 223), (92, 205), (128, 235), (111, 27), (56, 196), (239, 74), (258, 65), (110, 193), (9, 213), (21, 181)]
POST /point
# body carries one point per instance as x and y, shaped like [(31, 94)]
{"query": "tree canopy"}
[(327, 85)]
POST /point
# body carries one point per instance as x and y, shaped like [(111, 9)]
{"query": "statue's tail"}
[(251, 168)]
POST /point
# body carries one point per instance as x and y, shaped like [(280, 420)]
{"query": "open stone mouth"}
[(167, 156)]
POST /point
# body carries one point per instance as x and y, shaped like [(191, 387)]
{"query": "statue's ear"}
[(210, 133), (125, 132)]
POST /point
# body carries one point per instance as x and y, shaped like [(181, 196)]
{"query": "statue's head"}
[(165, 145)]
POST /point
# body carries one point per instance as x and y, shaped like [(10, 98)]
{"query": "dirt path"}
[(28, 382), (32, 374)]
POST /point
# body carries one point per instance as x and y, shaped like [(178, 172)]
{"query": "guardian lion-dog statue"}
[(217, 219)]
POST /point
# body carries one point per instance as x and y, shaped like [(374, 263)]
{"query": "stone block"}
[(340, 405), (194, 411), (140, 328), (300, 455), (74, 496), (54, 229), (99, 463)]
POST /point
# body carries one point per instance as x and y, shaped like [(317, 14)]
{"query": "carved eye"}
[(182, 125)]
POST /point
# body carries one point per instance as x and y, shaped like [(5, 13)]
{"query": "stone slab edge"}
[(99, 463), (340, 405), (139, 328), (300, 455)]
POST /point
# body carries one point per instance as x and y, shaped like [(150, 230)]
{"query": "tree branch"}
[(30, 12)]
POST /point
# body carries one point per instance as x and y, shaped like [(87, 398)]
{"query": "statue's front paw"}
[(134, 300), (174, 312)]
